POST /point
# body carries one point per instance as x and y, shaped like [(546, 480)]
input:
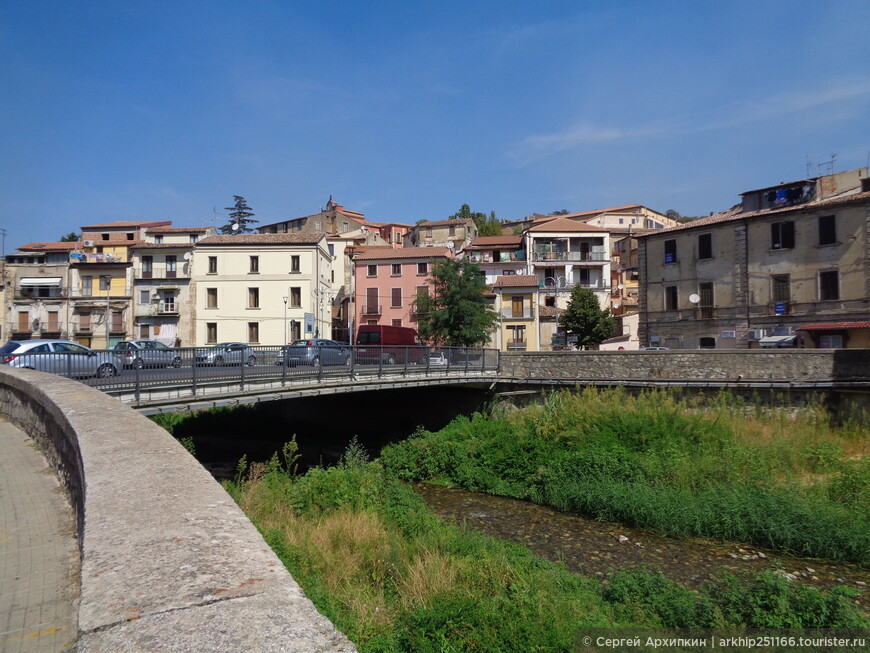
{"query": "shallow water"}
[(596, 548)]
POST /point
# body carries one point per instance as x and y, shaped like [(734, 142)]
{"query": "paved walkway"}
[(39, 559)]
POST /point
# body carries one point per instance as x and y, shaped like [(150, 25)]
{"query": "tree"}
[(240, 214), (585, 319), (486, 225), (457, 314), (71, 237), (560, 212)]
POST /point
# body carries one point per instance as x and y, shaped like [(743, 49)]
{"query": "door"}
[(517, 306)]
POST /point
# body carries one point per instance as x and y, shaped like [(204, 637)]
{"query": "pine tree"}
[(240, 214), (585, 319), (457, 314)]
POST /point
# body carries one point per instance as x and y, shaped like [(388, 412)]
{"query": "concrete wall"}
[(169, 562), (804, 366)]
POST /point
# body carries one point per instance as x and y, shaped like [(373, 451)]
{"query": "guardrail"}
[(191, 371)]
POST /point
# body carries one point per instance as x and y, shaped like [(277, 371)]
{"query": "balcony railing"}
[(167, 307), (516, 346), (86, 257), (592, 285), (371, 309), (590, 257), (524, 313)]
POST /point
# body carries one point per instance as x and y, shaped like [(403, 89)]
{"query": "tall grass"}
[(394, 577), (786, 480)]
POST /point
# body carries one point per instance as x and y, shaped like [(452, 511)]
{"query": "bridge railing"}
[(191, 370)]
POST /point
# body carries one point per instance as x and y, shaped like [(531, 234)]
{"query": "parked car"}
[(437, 358), (226, 353), (58, 357), (387, 344), (314, 352), (654, 349), (146, 353)]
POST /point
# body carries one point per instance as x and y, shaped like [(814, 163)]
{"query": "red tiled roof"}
[(516, 281), (592, 214), (495, 241), (443, 223), (146, 245), (49, 247), (177, 230), (301, 238), (562, 223), (547, 311), (404, 252), (126, 224), (735, 213), (832, 326)]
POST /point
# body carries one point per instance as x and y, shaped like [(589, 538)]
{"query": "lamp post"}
[(285, 319)]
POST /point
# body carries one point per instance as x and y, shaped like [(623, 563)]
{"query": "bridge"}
[(169, 562)]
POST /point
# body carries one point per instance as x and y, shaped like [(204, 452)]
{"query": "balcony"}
[(570, 257), (371, 309), (167, 308), (99, 259), (516, 346), (526, 313)]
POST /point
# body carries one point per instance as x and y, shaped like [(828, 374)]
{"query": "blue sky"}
[(406, 110)]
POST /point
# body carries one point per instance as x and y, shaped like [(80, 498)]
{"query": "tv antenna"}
[(822, 167)]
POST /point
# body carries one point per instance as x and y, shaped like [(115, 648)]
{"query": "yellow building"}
[(516, 297)]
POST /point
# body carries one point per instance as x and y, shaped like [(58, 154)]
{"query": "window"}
[(104, 236), (517, 306), (255, 265), (428, 232), (371, 306), (193, 238), (671, 251), (705, 246), (396, 297), (157, 239), (397, 322), (396, 269), (253, 298), (53, 321), (507, 273), (130, 236), (318, 225), (105, 282), (295, 330), (117, 321), (84, 321), (296, 297), (144, 331), (372, 270), (707, 343), (211, 332), (705, 290), (517, 334), (829, 285), (144, 296), (212, 264), (294, 265), (331, 249), (147, 267), (827, 230), (782, 235), (831, 342), (422, 268), (671, 298), (780, 288), (344, 226), (253, 332), (452, 230), (171, 266), (211, 298), (87, 286), (23, 321)]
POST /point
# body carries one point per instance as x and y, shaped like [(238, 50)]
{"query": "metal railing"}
[(194, 371)]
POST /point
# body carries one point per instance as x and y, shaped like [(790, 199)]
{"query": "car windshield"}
[(151, 344), (302, 343)]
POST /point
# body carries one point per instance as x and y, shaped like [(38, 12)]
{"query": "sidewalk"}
[(39, 558)]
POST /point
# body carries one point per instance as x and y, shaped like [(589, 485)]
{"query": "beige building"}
[(455, 234), (790, 255), (516, 300), (162, 291), (262, 289), (497, 256)]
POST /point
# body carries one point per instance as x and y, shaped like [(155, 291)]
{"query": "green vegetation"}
[(394, 577), (585, 318), (662, 462)]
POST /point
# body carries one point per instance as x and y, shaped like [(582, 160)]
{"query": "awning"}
[(777, 341), (40, 281), (167, 335)]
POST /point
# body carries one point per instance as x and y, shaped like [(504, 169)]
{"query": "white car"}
[(58, 357)]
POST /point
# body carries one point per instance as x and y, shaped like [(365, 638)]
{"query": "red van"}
[(381, 343)]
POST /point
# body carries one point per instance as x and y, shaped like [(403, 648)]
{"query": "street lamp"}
[(285, 319)]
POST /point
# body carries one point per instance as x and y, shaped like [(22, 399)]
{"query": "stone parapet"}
[(169, 562)]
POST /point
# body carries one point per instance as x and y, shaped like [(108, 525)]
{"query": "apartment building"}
[(262, 289), (497, 256), (162, 291), (387, 282), (786, 267), (516, 302), (455, 234)]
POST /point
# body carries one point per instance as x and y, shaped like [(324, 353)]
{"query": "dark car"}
[(226, 353), (146, 353), (315, 352)]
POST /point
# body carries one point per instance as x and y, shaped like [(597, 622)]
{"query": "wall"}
[(169, 562)]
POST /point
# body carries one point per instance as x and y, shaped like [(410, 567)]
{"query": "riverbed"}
[(595, 548)]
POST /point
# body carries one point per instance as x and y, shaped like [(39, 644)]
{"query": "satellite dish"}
[(235, 226), (693, 298), (187, 256), (450, 244), (620, 286)]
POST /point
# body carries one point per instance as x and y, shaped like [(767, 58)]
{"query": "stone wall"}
[(169, 562), (800, 365)]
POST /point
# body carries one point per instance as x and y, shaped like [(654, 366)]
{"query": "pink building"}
[(386, 283)]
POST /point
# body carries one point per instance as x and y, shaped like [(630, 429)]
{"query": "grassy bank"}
[(394, 577), (789, 482)]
